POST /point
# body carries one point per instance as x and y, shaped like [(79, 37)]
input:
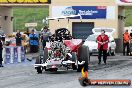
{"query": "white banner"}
[(87, 12)]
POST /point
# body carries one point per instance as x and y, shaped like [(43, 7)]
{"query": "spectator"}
[(2, 35), (3, 38), (102, 40), (131, 34), (27, 32), (126, 42), (45, 36), (18, 38), (1, 48), (34, 42)]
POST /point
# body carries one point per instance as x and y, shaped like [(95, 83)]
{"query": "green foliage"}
[(26, 15), (128, 13)]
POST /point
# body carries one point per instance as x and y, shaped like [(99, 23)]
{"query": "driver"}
[(57, 53)]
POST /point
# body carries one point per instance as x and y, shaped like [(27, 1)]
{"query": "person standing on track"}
[(126, 42), (34, 42), (45, 36), (2, 34), (1, 48), (102, 41), (18, 38)]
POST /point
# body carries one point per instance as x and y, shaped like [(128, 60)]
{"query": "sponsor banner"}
[(24, 1), (7, 55), (126, 1), (87, 12), (15, 54), (22, 54)]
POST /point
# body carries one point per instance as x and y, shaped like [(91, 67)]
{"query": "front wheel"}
[(39, 70)]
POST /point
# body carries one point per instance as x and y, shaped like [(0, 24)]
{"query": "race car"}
[(63, 54)]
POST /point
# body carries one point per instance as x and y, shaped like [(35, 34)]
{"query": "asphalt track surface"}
[(23, 75)]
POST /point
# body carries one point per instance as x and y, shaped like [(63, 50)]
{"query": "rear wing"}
[(108, 31), (65, 17)]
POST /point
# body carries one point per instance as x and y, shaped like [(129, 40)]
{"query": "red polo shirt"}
[(104, 39)]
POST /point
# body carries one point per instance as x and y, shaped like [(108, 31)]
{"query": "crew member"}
[(45, 36), (57, 53), (3, 38), (2, 35), (126, 41), (18, 38), (102, 40), (34, 42)]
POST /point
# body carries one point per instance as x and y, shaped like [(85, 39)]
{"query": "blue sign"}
[(8, 55), (22, 54), (15, 54), (87, 12)]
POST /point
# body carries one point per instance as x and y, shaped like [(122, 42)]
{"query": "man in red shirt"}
[(102, 40)]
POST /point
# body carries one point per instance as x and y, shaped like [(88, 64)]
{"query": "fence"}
[(13, 54)]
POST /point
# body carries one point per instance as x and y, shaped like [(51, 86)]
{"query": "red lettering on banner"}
[(101, 7)]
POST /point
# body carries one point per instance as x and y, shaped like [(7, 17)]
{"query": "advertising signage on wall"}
[(24, 1), (87, 12), (126, 1)]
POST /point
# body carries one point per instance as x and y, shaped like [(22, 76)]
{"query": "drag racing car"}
[(63, 53)]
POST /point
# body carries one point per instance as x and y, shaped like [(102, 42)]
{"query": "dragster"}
[(63, 52)]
